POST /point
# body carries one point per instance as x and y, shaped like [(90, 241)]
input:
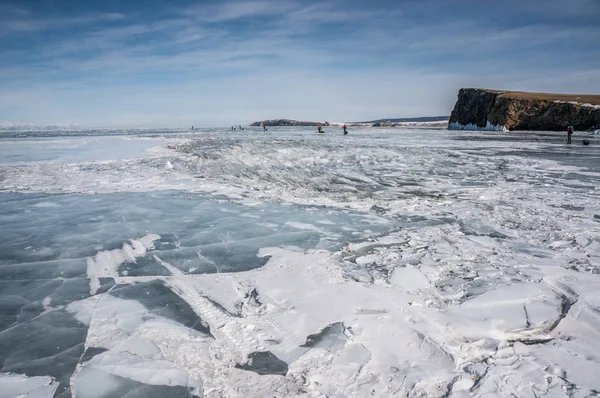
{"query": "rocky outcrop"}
[(287, 122), (481, 109)]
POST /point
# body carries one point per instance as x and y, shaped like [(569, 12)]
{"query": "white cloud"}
[(112, 38), (468, 34), (12, 10), (560, 8)]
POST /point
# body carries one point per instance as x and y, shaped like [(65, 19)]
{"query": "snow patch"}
[(586, 105)]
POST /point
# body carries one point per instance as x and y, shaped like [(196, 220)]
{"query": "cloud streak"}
[(233, 10), (28, 24)]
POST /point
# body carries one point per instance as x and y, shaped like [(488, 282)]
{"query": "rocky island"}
[(287, 123), (483, 109)]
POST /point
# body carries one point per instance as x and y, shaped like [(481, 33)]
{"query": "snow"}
[(586, 105), (385, 263), (591, 106)]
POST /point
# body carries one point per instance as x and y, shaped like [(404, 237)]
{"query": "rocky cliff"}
[(481, 109), (287, 122)]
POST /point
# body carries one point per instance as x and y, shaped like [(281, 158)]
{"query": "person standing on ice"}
[(569, 134), (345, 131)]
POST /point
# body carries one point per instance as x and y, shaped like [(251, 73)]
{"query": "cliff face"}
[(512, 110), (287, 122)]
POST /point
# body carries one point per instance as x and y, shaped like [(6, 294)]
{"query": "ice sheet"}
[(286, 263)]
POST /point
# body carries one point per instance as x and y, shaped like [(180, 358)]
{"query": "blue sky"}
[(115, 63)]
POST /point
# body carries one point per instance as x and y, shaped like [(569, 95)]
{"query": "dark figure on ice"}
[(569, 134), (345, 131), (264, 128)]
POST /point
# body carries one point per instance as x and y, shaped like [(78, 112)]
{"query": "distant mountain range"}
[(411, 120), (286, 123), (10, 126), (375, 123)]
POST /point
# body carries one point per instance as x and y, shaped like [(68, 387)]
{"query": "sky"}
[(177, 63)]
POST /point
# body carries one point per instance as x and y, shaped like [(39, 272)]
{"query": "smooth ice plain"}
[(389, 262)]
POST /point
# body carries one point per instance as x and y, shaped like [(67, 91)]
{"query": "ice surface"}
[(264, 363), (77, 149), (284, 263), (332, 337), (48, 345)]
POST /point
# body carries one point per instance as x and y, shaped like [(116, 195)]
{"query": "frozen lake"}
[(389, 262)]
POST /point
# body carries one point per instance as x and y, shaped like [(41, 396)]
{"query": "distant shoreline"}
[(431, 121)]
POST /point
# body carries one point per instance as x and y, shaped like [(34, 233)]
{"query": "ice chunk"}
[(161, 301), (503, 312), (488, 127), (105, 263), (350, 360), (16, 385), (409, 279), (99, 384)]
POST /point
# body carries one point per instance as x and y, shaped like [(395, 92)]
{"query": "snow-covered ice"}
[(416, 263)]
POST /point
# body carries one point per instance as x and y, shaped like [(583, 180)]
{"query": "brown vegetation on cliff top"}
[(580, 98)]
